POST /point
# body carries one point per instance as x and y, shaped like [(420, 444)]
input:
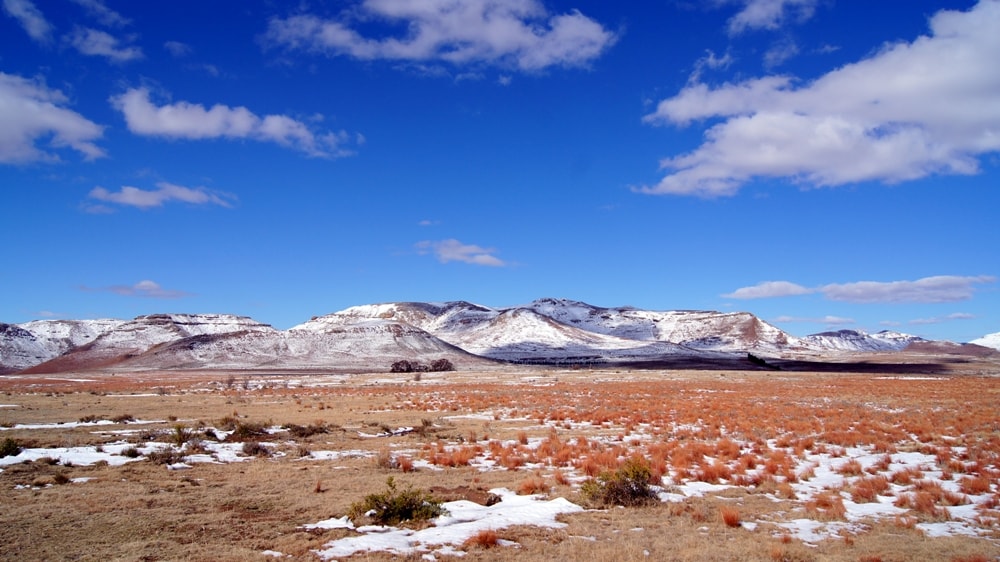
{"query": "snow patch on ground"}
[(464, 519)]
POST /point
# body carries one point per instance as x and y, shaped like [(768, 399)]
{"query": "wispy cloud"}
[(768, 289), (520, 34), (95, 42), (940, 319), (29, 112), (769, 14), (910, 110), (184, 120), (828, 320), (178, 49), (144, 289), (779, 53), (453, 250), (167, 192), (30, 18), (940, 288), (99, 10)]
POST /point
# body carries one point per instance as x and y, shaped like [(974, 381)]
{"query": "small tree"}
[(403, 366), (442, 365)]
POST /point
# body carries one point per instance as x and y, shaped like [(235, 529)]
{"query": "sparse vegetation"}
[(394, 506), (627, 486), (762, 436), (9, 448)]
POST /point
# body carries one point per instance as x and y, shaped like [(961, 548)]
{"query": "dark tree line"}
[(408, 366)]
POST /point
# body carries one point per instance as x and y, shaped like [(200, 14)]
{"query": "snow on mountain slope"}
[(704, 330), (367, 344), (989, 340), (68, 334), (857, 340), (19, 348), (435, 318), (131, 338), (31, 343), (521, 334)]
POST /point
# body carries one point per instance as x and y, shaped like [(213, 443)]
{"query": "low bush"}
[(255, 449), (394, 506), (9, 448), (628, 486), (165, 456)]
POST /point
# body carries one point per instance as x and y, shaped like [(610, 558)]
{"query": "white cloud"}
[(940, 288), (768, 289), (103, 14), (770, 14), (183, 120), (520, 33), (779, 53), (711, 62), (31, 111), (167, 192), (98, 43), (147, 289), (940, 319), (453, 250), (828, 320), (178, 49), (910, 110), (30, 18)]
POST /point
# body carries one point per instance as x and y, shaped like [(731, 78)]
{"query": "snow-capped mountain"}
[(857, 340), (372, 344), (134, 337), (28, 344), (989, 340), (373, 336), (475, 328)]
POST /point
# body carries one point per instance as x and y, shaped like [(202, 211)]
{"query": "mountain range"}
[(371, 337)]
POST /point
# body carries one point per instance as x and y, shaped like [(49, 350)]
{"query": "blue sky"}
[(822, 164)]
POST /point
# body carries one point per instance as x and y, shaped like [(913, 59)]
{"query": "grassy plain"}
[(749, 438)]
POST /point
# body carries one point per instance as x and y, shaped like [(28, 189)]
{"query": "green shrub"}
[(395, 506), (180, 435), (9, 448), (627, 486)]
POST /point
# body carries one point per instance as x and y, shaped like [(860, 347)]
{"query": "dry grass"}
[(694, 426)]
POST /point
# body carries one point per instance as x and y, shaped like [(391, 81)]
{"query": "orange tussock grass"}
[(827, 505), (713, 472), (868, 488), (785, 490), (730, 516), (850, 468), (487, 538), (906, 476), (405, 463), (727, 450), (560, 478), (533, 484), (974, 485)]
